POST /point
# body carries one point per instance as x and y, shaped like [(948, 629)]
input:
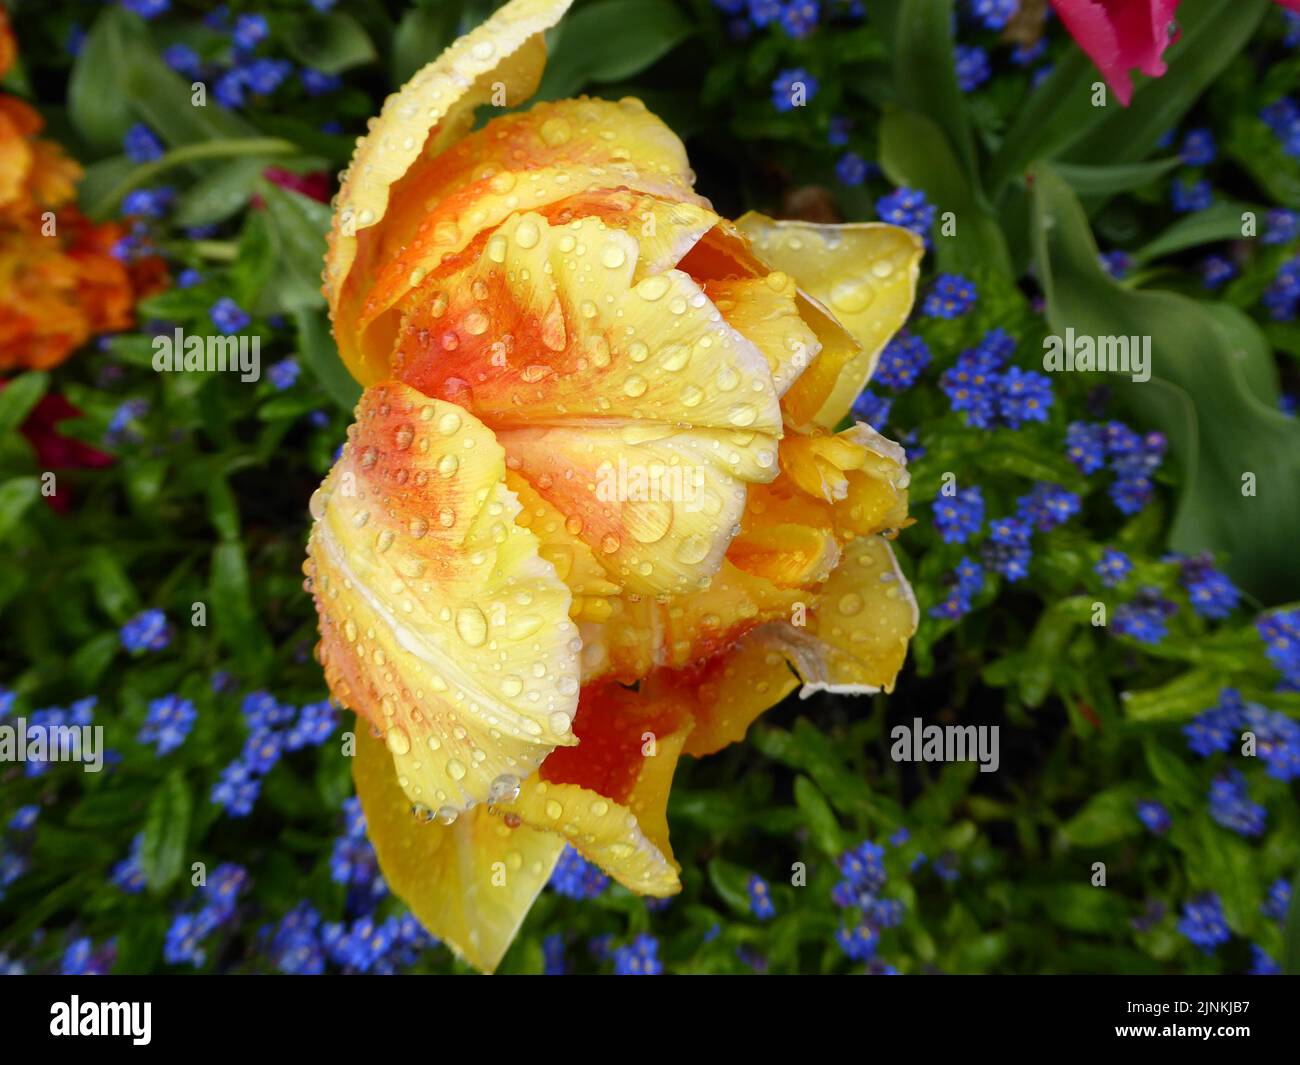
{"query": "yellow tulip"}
[(594, 513)]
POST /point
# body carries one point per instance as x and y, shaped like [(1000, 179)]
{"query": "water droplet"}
[(852, 295), (398, 741), (471, 625), (527, 234)]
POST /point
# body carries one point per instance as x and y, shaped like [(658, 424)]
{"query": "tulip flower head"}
[(597, 510)]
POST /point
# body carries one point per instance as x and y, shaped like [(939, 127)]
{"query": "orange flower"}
[(59, 281), (594, 513)]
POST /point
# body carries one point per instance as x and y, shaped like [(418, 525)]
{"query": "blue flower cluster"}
[(639, 958), (1231, 805), (353, 862), (148, 630), (1132, 458), (1212, 594), (978, 385), (1146, 618), (169, 721), (1113, 567), (950, 296), (14, 861), (1277, 737), (1283, 118), (760, 898), (961, 516), (576, 878), (793, 88), (1280, 631), (965, 582), (1154, 816), (78, 715), (1282, 297), (185, 936), (866, 911), (274, 728), (908, 208), (1203, 922), (901, 363)]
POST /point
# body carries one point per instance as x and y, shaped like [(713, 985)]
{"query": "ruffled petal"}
[(865, 274), (856, 636), (440, 622), (632, 407), (470, 883), (426, 115)]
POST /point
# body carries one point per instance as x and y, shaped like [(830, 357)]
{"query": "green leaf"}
[(331, 43), (232, 613), (98, 107), (16, 496), (1220, 221), (925, 75), (611, 40), (114, 591), (298, 228), (321, 356), (1057, 113), (220, 192), (1200, 395), (1107, 180), (1107, 817), (423, 32), (19, 396), (818, 816), (915, 152), (1291, 937), (732, 883), (166, 828), (1176, 779)]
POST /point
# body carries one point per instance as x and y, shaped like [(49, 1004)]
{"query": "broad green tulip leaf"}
[(331, 43), (1240, 458), (1097, 181), (611, 40), (1219, 221), (321, 356), (915, 152), (925, 76)]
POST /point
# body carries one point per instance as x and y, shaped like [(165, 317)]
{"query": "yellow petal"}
[(765, 310), (864, 273), (470, 883), (860, 473), (644, 634), (856, 637), (440, 622), (429, 112), (568, 159), (632, 407), (734, 689), (609, 795)]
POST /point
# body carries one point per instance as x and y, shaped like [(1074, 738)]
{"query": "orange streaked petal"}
[(734, 689), (430, 111), (440, 622), (609, 795), (574, 562), (644, 634), (765, 311), (865, 273), (789, 554), (470, 883), (632, 407)]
